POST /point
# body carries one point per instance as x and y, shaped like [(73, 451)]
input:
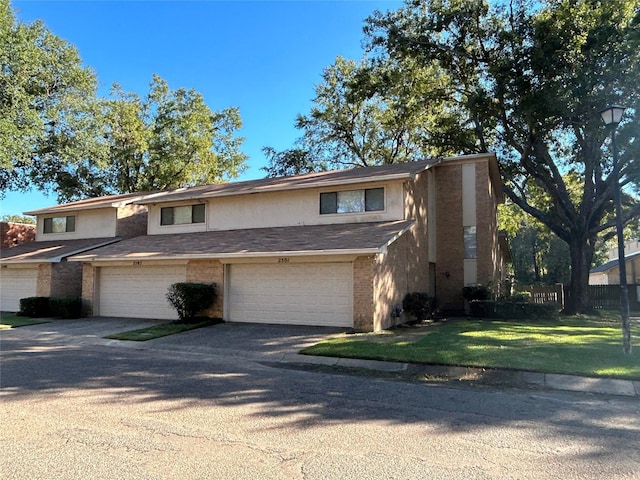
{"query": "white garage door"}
[(138, 292), (16, 283), (296, 294)]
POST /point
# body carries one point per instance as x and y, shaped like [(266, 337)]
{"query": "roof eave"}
[(180, 197), (73, 208), (201, 256), (57, 258)]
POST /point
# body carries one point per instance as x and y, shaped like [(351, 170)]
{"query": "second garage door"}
[(138, 292), (16, 283), (292, 293)]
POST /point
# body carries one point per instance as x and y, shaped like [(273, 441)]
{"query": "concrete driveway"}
[(248, 340)]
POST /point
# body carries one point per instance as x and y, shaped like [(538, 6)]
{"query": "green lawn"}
[(13, 321), (162, 330), (584, 346)]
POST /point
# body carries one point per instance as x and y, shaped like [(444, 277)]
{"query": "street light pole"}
[(612, 116)]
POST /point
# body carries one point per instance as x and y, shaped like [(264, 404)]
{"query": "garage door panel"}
[(138, 292), (16, 283), (300, 294)]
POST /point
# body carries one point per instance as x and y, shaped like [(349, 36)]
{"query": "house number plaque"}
[(283, 260)]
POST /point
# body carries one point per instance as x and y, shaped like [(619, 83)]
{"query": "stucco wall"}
[(279, 209), (96, 223)]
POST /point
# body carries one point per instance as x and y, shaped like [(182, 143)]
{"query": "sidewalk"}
[(274, 344)]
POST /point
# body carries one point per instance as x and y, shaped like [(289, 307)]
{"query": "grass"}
[(12, 321), (162, 330), (581, 346)]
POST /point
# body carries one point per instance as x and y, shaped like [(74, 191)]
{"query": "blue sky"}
[(263, 57)]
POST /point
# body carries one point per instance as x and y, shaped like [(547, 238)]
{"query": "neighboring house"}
[(12, 234), (40, 268), (609, 273), (339, 248)]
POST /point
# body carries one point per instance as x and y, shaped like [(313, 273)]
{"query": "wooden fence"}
[(545, 293), (601, 296)]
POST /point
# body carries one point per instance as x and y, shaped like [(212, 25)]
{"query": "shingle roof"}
[(613, 263), (360, 238), (51, 251), (90, 203), (310, 180)]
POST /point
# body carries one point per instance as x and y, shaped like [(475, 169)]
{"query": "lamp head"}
[(612, 114)]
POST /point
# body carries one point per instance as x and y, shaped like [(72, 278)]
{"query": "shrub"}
[(66, 307), (482, 308), (476, 293), (514, 310), (191, 298), (418, 304), (34, 307), (520, 297)]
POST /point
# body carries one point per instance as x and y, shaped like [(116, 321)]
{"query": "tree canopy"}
[(59, 135), (166, 139), (525, 79), (45, 94)]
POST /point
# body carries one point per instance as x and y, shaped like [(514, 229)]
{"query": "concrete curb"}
[(516, 378), (513, 378), (290, 355)]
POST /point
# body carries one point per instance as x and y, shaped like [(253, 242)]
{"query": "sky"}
[(264, 57)]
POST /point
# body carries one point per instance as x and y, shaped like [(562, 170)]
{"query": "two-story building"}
[(339, 248), (40, 268)]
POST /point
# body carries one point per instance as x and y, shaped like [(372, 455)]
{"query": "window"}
[(352, 201), (182, 215), (60, 224), (470, 242)]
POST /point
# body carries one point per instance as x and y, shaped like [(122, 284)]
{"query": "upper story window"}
[(182, 215), (60, 224), (470, 242), (352, 201)]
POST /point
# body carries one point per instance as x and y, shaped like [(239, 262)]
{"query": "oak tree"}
[(529, 80)]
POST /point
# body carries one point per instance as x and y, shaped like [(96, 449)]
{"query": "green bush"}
[(476, 293), (418, 304), (66, 307), (34, 307), (520, 297), (514, 310), (191, 298), (482, 308)]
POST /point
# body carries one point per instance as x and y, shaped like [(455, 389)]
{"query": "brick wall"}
[(489, 258), (12, 234), (393, 278), (131, 221), (43, 287), (209, 271), (363, 293), (66, 279), (89, 275), (449, 237), (63, 279)]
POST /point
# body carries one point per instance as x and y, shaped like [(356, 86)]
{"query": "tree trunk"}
[(577, 300)]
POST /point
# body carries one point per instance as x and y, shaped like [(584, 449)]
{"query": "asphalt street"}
[(76, 411)]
